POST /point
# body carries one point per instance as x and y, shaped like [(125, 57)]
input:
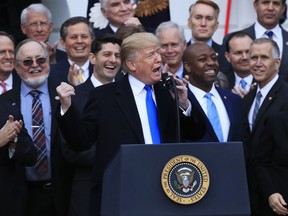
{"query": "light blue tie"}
[(257, 106), (152, 116), (269, 34), (214, 117), (243, 84)]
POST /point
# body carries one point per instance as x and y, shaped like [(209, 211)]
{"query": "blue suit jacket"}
[(234, 107)]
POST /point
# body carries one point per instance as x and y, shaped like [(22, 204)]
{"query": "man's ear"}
[(131, 65), (186, 66), (227, 57), (92, 58)]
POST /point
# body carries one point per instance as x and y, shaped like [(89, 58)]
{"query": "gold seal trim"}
[(185, 179)]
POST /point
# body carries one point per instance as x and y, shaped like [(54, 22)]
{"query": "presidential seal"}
[(185, 179)]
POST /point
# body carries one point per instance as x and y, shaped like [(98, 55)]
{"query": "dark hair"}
[(73, 21), (237, 34), (97, 43), (3, 33), (126, 30)]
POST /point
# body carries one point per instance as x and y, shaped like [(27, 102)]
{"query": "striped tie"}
[(41, 166)]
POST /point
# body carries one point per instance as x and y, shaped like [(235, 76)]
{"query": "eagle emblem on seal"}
[(150, 7), (185, 180)]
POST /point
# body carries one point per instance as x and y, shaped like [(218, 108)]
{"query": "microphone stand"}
[(169, 82)]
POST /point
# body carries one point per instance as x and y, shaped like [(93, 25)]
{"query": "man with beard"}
[(49, 181), (200, 61)]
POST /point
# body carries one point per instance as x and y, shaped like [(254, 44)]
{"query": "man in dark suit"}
[(201, 64), (8, 77), (37, 24), (76, 38), (48, 191), (116, 113), (173, 44), (16, 151), (237, 53), (270, 96), (105, 58), (268, 16), (271, 164)]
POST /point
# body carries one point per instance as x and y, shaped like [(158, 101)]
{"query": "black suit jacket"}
[(12, 170), (83, 161), (111, 118), (59, 71), (271, 161), (275, 101), (61, 170), (235, 110)]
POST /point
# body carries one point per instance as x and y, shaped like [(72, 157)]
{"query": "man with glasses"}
[(36, 23), (49, 181)]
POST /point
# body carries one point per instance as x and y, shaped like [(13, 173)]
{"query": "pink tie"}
[(3, 85)]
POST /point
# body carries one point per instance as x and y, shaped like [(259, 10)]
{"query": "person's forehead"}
[(35, 15), (110, 46), (31, 48)]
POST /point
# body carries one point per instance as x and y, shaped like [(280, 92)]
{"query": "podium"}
[(132, 181)]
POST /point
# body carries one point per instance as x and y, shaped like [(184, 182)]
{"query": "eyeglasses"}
[(29, 62)]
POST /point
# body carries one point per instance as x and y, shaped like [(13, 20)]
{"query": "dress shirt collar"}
[(96, 82), (267, 87), (136, 85), (209, 42), (179, 72), (200, 94), (25, 89), (114, 28), (260, 31), (9, 82), (248, 79)]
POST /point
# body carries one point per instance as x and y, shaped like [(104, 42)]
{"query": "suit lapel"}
[(272, 94), (125, 99)]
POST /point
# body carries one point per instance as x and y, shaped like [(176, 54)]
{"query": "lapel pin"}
[(225, 97), (57, 98), (270, 98)]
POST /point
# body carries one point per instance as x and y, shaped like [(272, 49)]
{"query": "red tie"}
[(3, 85)]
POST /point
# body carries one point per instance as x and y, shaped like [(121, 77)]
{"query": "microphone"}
[(170, 84)]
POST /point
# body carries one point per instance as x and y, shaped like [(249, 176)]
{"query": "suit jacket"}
[(235, 110), (12, 170), (83, 162), (61, 170), (275, 101), (271, 162), (111, 118), (60, 70)]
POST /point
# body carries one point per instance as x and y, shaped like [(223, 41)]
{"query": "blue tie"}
[(257, 106), (214, 117), (269, 34), (152, 116), (243, 84)]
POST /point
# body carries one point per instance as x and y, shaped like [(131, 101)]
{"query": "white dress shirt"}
[(222, 112)]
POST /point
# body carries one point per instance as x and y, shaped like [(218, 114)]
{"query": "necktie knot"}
[(80, 75), (269, 34), (259, 95), (208, 95), (3, 85), (35, 93), (243, 83), (148, 88)]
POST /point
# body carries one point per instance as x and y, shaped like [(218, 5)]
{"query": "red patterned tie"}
[(39, 139), (3, 85)]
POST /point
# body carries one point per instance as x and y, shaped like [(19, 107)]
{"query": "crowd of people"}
[(64, 114)]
